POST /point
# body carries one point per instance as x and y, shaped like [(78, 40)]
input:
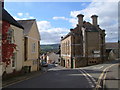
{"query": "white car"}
[(56, 64)]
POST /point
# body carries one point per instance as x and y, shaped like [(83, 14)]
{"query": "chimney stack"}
[(62, 37), (71, 29), (94, 19), (80, 19)]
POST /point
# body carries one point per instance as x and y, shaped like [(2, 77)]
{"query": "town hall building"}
[(84, 45)]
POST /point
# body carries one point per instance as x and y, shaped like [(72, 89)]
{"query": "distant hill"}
[(49, 48)]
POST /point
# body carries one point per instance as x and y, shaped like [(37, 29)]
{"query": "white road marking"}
[(98, 67), (88, 78)]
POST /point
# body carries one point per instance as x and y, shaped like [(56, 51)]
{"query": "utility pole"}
[(118, 49)]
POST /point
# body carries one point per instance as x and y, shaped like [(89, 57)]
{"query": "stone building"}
[(84, 45), (52, 57), (12, 44), (31, 44), (112, 50)]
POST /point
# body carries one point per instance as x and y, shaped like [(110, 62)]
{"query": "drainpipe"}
[(72, 46)]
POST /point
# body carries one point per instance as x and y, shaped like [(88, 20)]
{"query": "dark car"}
[(44, 64)]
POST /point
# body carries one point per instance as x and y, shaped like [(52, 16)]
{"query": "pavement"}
[(112, 78), (23, 77), (106, 75)]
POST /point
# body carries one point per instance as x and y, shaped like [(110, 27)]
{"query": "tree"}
[(7, 47)]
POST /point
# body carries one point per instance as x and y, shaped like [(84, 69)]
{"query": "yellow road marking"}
[(101, 76)]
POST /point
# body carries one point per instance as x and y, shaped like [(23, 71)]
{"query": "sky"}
[(55, 19)]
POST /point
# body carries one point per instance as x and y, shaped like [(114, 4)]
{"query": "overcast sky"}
[(55, 19)]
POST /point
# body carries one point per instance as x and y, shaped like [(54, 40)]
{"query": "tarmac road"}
[(56, 77), (91, 77)]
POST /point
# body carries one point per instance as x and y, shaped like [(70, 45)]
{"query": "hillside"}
[(49, 48)]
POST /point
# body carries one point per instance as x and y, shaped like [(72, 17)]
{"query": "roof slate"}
[(27, 24), (89, 28), (7, 17), (111, 45)]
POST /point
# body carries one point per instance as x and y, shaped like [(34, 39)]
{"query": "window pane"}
[(33, 47)]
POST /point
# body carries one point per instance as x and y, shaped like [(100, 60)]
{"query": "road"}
[(105, 75), (86, 77), (56, 77)]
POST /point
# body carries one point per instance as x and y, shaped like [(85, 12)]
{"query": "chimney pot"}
[(77, 25), (61, 37), (80, 15), (71, 29), (94, 19), (94, 16), (80, 19)]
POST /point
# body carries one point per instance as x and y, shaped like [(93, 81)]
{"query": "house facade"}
[(12, 44), (112, 50), (52, 57), (83, 45), (18, 38), (31, 44)]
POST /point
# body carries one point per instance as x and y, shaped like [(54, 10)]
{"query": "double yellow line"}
[(102, 77)]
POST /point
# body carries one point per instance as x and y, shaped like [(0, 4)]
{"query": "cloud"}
[(17, 18), (44, 25), (62, 18), (108, 17), (49, 34), (23, 16), (73, 22), (83, 4), (20, 14), (27, 14)]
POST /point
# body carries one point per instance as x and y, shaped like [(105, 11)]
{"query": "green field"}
[(49, 48)]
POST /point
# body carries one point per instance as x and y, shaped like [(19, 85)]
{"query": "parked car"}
[(56, 64), (44, 64)]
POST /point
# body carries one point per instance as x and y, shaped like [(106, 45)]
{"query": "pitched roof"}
[(70, 33), (112, 45), (58, 52), (27, 24), (89, 27), (49, 53), (7, 17), (66, 36)]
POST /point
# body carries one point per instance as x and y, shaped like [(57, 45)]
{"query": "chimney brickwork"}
[(94, 20), (80, 19)]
